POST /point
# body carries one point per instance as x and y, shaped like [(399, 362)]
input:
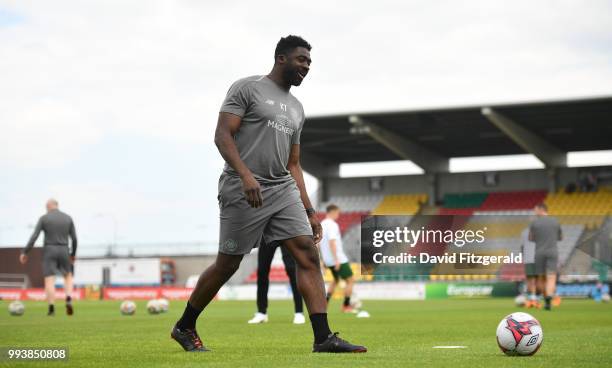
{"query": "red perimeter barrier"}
[(37, 294), (111, 293), (120, 293)]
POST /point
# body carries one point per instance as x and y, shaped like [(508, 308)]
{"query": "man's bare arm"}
[(34, 237), (73, 240), (296, 171), (227, 126)]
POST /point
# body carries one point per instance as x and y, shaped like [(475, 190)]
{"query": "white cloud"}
[(43, 133)]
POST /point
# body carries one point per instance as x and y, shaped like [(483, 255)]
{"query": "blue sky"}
[(110, 106)]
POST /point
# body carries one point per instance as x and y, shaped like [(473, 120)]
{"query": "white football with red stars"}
[(519, 334)]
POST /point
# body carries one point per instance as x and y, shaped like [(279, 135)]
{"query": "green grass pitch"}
[(399, 334)]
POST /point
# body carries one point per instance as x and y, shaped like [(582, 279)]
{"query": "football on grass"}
[(163, 304), (16, 308), (520, 300), (128, 308), (154, 307), (519, 334)]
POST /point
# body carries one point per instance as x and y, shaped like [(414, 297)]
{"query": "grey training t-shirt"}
[(545, 232), (272, 121), (58, 228), (528, 247)]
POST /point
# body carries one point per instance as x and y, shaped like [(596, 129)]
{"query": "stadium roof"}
[(430, 137)]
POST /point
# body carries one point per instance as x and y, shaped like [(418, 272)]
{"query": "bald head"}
[(52, 204)]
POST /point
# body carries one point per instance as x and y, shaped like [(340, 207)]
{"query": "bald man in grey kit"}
[(57, 258)]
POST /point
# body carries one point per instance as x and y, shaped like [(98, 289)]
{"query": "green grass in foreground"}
[(399, 333)]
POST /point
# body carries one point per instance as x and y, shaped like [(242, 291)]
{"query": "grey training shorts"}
[(56, 260), (281, 217), (530, 269), (546, 263)]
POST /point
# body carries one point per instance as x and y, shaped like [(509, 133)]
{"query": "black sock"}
[(299, 308), (51, 308), (320, 327), (328, 296), (68, 299), (188, 320), (347, 301), (547, 300)]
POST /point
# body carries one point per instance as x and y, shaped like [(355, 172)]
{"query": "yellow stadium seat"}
[(400, 204)]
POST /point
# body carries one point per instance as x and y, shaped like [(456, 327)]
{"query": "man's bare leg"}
[(208, 285), (531, 285), (50, 293), (310, 283), (68, 289), (330, 290), (540, 289), (311, 286), (309, 278), (551, 284), (348, 290), (68, 284), (531, 291)]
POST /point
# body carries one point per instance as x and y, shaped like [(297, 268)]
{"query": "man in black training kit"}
[(264, 264), (262, 192)]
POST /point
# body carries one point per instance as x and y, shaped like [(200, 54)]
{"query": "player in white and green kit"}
[(334, 257), (262, 192)]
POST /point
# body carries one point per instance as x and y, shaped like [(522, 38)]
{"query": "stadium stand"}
[(365, 203), (512, 200), (505, 215), (588, 209), (400, 204), (464, 200), (591, 204)]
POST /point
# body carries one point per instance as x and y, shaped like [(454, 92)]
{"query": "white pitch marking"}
[(450, 347)]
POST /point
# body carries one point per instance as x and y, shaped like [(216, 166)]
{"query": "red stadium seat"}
[(513, 200)]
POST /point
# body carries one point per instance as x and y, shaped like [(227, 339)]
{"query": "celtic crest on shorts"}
[(230, 245)]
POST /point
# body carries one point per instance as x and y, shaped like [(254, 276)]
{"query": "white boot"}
[(258, 318), (298, 319)]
